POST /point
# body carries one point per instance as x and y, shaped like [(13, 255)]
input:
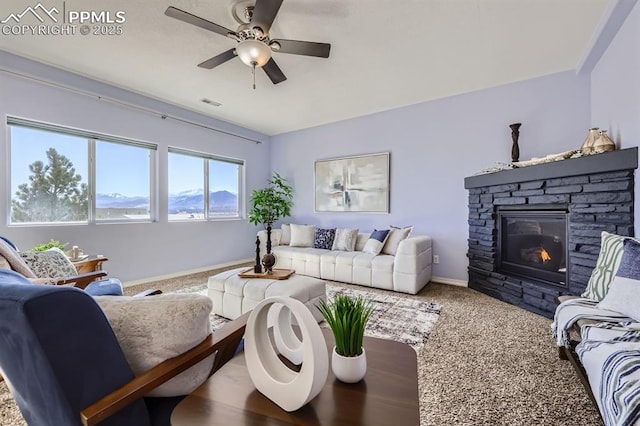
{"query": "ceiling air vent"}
[(210, 102)]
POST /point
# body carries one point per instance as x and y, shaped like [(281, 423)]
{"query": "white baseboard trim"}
[(450, 281), (188, 272)]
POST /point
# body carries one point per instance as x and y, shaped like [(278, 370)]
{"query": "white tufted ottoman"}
[(233, 296)]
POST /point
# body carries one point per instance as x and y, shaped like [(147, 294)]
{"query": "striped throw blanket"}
[(610, 355), (570, 311)]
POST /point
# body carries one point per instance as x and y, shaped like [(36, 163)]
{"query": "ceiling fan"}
[(255, 46)]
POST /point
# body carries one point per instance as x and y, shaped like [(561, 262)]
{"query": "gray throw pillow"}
[(376, 241), (345, 239), (396, 236)]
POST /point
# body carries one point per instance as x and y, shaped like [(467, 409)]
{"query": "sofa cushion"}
[(606, 266), (396, 235), (285, 239), (624, 292), (345, 239), (324, 238), (302, 235), (376, 241), (155, 328)]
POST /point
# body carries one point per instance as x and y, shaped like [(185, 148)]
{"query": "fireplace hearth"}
[(534, 232)]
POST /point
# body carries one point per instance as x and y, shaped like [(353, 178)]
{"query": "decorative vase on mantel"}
[(515, 134), (587, 146), (603, 143)]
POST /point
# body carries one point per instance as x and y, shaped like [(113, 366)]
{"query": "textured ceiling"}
[(385, 54)]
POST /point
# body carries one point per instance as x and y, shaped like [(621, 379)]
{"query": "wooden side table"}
[(91, 263)]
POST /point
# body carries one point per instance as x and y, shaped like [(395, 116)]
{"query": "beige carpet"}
[(485, 363)]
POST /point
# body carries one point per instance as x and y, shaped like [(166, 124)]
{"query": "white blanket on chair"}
[(572, 310), (610, 355)]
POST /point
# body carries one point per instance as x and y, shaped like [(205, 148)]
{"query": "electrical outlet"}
[(436, 258)]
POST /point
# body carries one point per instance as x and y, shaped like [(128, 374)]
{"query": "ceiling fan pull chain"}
[(254, 76)]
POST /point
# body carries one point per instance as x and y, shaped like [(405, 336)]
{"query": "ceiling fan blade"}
[(196, 20), (308, 48), (218, 59), (274, 72), (264, 13)]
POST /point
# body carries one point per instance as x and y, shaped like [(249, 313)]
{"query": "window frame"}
[(92, 138), (206, 157)]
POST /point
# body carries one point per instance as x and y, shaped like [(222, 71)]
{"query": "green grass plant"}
[(347, 317)]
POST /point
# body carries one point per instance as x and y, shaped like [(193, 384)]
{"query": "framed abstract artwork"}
[(353, 184)]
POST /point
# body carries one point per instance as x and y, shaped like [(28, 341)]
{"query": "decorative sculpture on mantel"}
[(515, 134)]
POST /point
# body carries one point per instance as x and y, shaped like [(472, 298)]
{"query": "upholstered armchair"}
[(52, 266), (65, 363)]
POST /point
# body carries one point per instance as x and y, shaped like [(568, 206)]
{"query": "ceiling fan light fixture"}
[(275, 46), (253, 52)]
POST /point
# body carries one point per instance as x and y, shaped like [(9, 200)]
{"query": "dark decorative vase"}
[(515, 134), (268, 260)]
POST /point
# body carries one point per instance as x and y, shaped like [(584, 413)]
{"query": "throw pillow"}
[(324, 238), (155, 328), (624, 292), (396, 236), (52, 263), (606, 266), (285, 239), (376, 241), (345, 239), (302, 235)]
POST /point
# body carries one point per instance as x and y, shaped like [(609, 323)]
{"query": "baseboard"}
[(188, 272), (449, 281)]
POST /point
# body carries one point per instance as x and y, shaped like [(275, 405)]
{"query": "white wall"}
[(615, 89), (142, 250), (433, 146)]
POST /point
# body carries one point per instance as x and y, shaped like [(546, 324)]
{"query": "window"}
[(54, 180), (203, 186)]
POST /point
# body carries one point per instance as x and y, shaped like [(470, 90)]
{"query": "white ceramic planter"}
[(349, 369)]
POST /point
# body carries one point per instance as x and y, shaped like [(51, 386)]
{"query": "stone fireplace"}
[(534, 232)]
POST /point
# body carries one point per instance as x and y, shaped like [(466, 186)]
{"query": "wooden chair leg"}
[(562, 354)]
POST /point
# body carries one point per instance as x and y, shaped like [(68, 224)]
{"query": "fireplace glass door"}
[(533, 244)]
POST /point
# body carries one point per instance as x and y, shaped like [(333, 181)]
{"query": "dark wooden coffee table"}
[(388, 395)]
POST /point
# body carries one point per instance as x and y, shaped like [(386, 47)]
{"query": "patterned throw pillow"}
[(606, 267), (345, 239), (302, 235), (52, 263), (396, 236), (623, 292), (324, 238), (376, 241)]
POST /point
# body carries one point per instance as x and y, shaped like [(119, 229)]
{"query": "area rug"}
[(395, 318)]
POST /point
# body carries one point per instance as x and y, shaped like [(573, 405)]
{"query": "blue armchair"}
[(65, 367)]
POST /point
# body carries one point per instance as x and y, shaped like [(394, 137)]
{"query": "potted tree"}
[(269, 205), (347, 317)]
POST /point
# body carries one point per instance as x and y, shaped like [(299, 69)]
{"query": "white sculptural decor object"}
[(288, 389)]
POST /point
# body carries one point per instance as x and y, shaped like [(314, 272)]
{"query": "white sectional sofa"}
[(407, 272)]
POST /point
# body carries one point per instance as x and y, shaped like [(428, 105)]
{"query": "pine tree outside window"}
[(62, 175)]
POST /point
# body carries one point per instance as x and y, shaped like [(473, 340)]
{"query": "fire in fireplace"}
[(532, 243)]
